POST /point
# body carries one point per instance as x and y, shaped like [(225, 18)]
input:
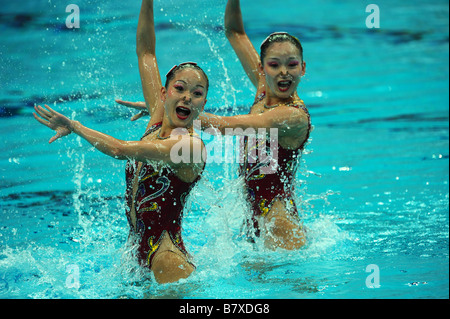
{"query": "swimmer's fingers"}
[(44, 118), (42, 112), (54, 138), (53, 120), (60, 132), (140, 106), (42, 121), (47, 113), (138, 116), (51, 111), (58, 119), (134, 105)]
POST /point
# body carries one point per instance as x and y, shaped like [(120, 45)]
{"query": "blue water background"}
[(373, 185)]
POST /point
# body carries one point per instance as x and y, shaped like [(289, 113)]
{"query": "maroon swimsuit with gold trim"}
[(264, 189), (159, 204)]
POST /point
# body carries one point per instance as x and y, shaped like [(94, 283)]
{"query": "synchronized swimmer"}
[(152, 177)]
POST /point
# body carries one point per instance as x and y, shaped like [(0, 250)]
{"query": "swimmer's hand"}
[(53, 120), (140, 106)]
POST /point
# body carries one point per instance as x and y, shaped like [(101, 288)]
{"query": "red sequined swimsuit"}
[(159, 203), (264, 189)]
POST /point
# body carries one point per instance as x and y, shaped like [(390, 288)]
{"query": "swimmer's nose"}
[(284, 71), (187, 99)]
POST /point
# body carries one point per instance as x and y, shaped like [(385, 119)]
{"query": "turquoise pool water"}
[(373, 185)]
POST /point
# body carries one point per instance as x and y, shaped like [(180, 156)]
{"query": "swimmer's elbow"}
[(233, 34), (229, 33), (143, 51), (120, 151)]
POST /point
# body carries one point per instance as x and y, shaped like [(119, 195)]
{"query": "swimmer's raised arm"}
[(148, 66), (246, 52)]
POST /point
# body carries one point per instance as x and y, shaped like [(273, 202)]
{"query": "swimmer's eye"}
[(198, 93), (294, 63), (272, 64), (178, 87)]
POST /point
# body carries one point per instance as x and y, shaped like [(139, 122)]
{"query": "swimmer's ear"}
[(163, 94), (304, 68), (203, 107), (261, 69)]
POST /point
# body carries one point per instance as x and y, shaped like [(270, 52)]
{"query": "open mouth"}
[(283, 86), (183, 112)]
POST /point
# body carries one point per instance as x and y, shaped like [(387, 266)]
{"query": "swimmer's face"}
[(185, 97), (283, 68)]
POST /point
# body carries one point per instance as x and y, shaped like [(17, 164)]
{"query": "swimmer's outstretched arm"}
[(246, 52), (284, 119), (142, 151), (148, 66)]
